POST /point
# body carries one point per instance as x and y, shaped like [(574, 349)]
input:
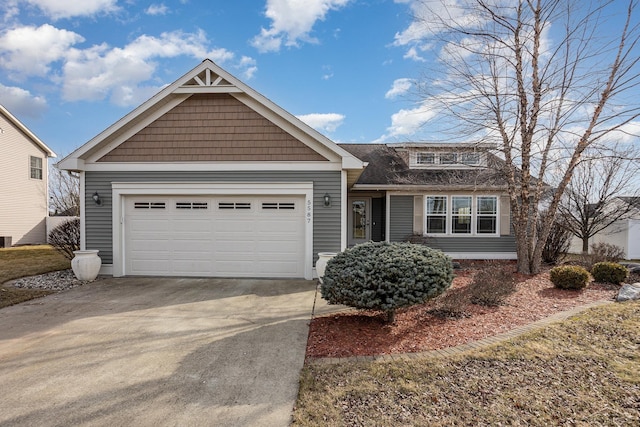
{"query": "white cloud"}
[(118, 73), (413, 54), (157, 9), (399, 87), (327, 122), (628, 133), (30, 50), (57, 9), (21, 102), (292, 21), (407, 122), (249, 65)]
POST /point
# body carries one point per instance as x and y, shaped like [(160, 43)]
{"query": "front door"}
[(359, 220)]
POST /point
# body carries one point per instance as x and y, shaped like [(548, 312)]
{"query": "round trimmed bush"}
[(386, 276), (609, 272), (569, 277)]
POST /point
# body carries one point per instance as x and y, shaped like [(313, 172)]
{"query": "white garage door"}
[(214, 236)]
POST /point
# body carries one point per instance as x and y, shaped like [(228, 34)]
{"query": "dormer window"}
[(471, 159), (426, 158), (446, 159)]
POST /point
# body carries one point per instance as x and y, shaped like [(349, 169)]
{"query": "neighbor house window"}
[(436, 214), (35, 164), (460, 215)]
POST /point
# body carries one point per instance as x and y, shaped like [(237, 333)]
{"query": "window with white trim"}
[(461, 215), (487, 215), (425, 158), (470, 159), (35, 167), (448, 158), (436, 214)]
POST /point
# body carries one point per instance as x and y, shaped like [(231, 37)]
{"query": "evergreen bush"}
[(609, 272), (569, 277), (386, 276)]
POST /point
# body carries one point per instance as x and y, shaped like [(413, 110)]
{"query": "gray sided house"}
[(451, 197), (24, 187), (210, 178)]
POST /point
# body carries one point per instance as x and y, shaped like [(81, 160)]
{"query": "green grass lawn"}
[(27, 261), (581, 372)]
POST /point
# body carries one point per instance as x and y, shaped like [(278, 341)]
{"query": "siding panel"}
[(401, 218), (473, 244), (211, 127), (326, 221), (23, 200)]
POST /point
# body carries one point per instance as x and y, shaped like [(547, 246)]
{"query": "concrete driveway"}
[(156, 351)]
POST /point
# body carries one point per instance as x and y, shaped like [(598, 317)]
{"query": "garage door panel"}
[(149, 224), (193, 236), (155, 267), (141, 246)]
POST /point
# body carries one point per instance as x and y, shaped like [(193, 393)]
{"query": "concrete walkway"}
[(156, 352), (463, 348)]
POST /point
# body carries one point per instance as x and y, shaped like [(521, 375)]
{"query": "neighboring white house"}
[(624, 233), (24, 193)]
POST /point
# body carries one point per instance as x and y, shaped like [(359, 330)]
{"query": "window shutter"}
[(418, 215), (505, 216)]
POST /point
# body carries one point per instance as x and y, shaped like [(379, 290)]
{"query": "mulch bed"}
[(417, 329)]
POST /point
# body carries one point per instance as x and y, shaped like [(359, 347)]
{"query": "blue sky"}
[(69, 69)]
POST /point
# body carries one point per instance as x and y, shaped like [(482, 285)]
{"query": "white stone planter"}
[(321, 264), (86, 264)]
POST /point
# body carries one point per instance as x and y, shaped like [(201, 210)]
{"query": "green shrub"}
[(569, 277), (386, 276), (492, 284), (609, 272)]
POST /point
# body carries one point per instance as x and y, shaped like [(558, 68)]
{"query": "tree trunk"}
[(585, 245), (391, 316)]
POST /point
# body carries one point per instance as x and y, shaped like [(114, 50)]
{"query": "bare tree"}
[(542, 81), (64, 192), (591, 201)]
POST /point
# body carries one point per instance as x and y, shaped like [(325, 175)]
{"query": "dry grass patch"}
[(26, 261), (579, 372)]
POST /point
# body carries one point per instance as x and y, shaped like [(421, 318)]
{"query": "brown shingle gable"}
[(211, 127)]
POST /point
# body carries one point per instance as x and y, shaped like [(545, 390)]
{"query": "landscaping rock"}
[(54, 281), (629, 292), (631, 266)]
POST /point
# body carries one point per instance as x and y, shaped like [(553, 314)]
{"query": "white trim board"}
[(120, 190), (482, 255)]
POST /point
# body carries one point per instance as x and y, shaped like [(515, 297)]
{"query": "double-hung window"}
[(487, 215), (461, 215), (35, 167), (436, 214)]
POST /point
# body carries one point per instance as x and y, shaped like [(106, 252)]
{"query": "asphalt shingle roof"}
[(388, 168)]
